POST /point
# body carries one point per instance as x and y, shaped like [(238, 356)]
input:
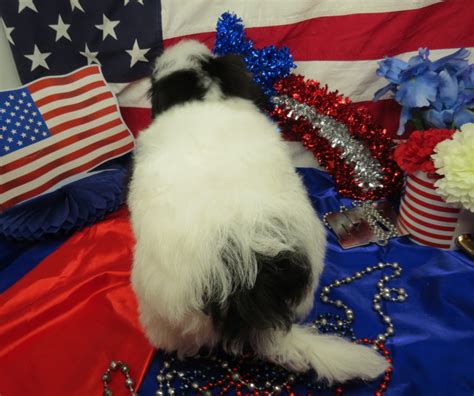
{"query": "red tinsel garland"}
[(360, 125)]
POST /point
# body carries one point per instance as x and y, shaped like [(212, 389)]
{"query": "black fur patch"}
[(234, 79), (281, 284), (179, 87)]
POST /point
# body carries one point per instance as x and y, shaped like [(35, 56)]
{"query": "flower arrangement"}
[(433, 94), (415, 154)]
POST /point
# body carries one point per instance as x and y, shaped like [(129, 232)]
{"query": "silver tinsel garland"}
[(367, 170)]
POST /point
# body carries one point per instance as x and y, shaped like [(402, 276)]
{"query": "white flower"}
[(454, 160)]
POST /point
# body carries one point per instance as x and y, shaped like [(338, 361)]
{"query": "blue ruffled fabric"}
[(433, 345), (71, 207)]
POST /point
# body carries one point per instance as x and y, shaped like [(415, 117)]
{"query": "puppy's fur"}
[(228, 247)]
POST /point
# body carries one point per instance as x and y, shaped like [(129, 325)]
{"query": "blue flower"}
[(442, 90)]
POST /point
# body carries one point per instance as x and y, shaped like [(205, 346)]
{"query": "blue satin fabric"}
[(433, 346), (18, 258)]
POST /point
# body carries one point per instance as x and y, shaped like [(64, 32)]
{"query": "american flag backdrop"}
[(335, 42)]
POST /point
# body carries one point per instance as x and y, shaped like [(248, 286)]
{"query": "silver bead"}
[(358, 275), (224, 365), (129, 382), (387, 319), (166, 365), (377, 307), (169, 376), (268, 384), (160, 378), (340, 323), (338, 303), (180, 374), (379, 284), (159, 392), (107, 392), (251, 386), (207, 393), (348, 279), (323, 322), (326, 289), (124, 368), (381, 265), (195, 385), (171, 391), (113, 365), (235, 376), (386, 278), (369, 269), (291, 378), (401, 298), (337, 283), (390, 331), (277, 389), (324, 298), (349, 312), (380, 337), (106, 378), (401, 291)]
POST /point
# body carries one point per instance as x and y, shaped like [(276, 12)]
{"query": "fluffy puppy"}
[(228, 248)]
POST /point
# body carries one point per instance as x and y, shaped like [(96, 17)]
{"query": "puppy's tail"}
[(262, 317), (333, 358)]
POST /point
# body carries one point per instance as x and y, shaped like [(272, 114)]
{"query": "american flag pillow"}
[(54, 130)]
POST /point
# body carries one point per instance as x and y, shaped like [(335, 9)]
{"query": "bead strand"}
[(117, 366)]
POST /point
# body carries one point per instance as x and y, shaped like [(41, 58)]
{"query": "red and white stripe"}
[(425, 216), (87, 130), (335, 42)]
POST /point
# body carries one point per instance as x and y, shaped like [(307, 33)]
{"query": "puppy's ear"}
[(234, 78), (176, 88)]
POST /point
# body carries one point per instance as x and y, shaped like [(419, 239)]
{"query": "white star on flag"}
[(75, 4), (137, 54), (38, 59), (125, 2), (107, 27), (90, 55), (8, 32), (61, 29), (22, 4)]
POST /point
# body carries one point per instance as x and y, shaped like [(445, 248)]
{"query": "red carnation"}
[(415, 154)]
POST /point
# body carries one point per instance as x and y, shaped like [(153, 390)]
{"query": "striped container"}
[(427, 218)]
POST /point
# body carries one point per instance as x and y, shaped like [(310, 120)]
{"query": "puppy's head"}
[(188, 71)]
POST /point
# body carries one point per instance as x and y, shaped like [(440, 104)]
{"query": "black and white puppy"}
[(228, 249)]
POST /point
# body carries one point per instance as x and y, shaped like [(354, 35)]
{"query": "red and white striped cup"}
[(427, 218)]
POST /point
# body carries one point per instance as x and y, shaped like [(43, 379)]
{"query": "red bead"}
[(383, 387), (378, 394)]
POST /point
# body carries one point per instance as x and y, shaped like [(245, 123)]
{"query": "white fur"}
[(184, 55), (206, 173)]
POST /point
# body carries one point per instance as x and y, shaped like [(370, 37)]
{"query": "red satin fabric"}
[(62, 324)]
